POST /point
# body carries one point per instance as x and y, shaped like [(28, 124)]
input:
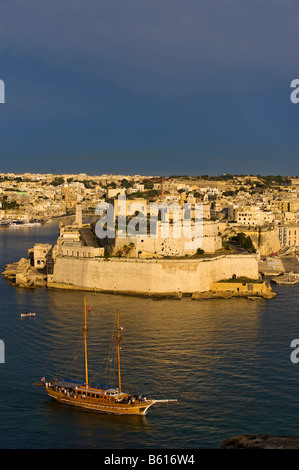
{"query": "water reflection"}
[(226, 361), (184, 349)]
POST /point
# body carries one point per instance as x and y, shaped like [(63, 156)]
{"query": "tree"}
[(57, 181), (244, 241), (126, 184)]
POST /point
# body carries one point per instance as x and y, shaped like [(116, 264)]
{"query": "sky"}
[(150, 87)]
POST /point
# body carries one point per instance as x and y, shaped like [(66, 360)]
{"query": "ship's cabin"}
[(112, 392)]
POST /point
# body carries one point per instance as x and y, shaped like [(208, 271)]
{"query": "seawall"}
[(149, 277)]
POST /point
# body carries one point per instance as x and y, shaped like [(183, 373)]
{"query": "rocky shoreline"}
[(23, 274), (229, 295), (255, 441)]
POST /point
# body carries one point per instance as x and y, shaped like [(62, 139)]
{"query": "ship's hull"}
[(98, 404)]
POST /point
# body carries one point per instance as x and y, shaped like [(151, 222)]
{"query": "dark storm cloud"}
[(199, 85), (156, 45)]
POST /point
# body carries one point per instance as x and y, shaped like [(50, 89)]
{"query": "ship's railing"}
[(92, 385)]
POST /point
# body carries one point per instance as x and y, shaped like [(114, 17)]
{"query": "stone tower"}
[(78, 219)]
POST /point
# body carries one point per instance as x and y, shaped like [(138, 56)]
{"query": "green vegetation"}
[(244, 241), (230, 192), (9, 205), (57, 181), (126, 184), (242, 279), (260, 181), (151, 194)]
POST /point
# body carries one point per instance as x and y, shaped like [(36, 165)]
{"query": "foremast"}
[(85, 344), (118, 340)]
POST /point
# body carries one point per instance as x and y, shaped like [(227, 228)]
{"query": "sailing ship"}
[(100, 398)]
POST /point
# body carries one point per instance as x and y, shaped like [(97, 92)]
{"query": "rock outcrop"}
[(22, 274), (227, 290), (255, 441)]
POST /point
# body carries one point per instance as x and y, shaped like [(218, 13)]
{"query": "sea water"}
[(227, 362)]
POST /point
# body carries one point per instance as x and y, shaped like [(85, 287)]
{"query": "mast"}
[(85, 343), (118, 339)]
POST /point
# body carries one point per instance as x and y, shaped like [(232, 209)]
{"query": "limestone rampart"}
[(150, 277)]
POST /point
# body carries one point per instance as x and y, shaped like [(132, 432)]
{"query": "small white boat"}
[(24, 224), (27, 314)]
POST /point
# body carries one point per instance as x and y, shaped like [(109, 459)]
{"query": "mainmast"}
[(118, 339), (85, 343)]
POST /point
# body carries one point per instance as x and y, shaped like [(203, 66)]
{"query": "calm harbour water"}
[(226, 361)]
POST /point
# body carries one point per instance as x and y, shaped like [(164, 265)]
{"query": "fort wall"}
[(150, 277)]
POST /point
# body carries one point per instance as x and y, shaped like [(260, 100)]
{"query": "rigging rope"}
[(51, 355)]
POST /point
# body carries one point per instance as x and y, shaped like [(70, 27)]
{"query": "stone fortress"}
[(139, 266)]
